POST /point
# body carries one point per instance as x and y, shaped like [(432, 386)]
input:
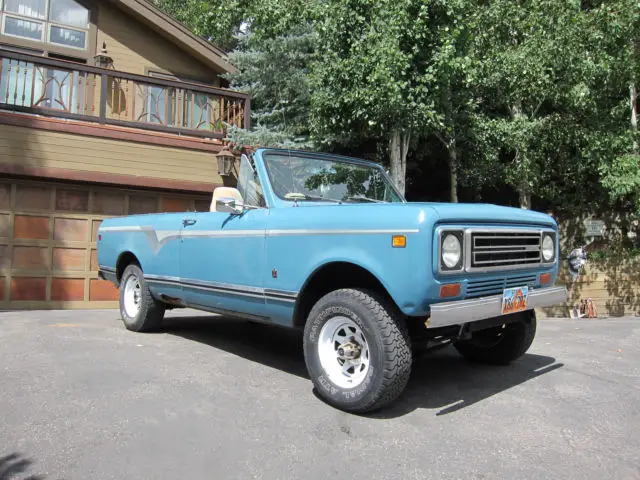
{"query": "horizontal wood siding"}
[(614, 289), (39, 148), (136, 48)]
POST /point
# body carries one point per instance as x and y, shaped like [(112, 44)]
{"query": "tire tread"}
[(395, 340)]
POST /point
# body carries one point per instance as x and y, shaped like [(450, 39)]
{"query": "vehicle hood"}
[(486, 213)]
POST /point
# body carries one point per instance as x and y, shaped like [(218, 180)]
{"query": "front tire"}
[(140, 312), (500, 345), (357, 350)]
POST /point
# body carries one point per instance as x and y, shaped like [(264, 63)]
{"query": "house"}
[(107, 107)]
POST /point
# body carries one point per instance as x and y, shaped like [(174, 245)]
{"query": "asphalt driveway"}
[(82, 398)]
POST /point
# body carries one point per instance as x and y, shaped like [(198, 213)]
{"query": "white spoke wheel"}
[(139, 310), (357, 350), (132, 294), (344, 352)]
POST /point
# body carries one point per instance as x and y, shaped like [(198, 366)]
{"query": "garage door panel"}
[(30, 227), (71, 200), (33, 198), (5, 257), (94, 260), (142, 204), (5, 225), (70, 230), (100, 290), (105, 203), (30, 258), (28, 288), (2, 287), (67, 289), (5, 196), (69, 259)]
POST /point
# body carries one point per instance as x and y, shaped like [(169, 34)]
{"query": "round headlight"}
[(451, 251), (548, 248)]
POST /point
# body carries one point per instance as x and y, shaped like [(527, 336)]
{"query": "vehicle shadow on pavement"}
[(279, 348), (446, 382), (441, 380), (14, 465)]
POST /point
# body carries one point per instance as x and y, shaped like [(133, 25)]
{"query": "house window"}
[(57, 22)]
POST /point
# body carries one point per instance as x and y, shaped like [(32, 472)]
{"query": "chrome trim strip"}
[(280, 233), (221, 290), (231, 313), (106, 269), (465, 311), (157, 238), (148, 276), (164, 234), (244, 290)]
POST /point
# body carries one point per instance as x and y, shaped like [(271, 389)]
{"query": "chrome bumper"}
[(465, 311)]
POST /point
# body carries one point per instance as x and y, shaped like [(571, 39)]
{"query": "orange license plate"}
[(514, 300)]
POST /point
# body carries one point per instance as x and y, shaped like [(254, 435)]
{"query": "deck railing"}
[(57, 88)]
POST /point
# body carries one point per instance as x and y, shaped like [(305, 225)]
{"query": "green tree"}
[(274, 71), (530, 54), (618, 33), (370, 77), (214, 20)]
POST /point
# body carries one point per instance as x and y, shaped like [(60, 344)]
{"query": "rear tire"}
[(500, 345), (357, 350), (140, 312)]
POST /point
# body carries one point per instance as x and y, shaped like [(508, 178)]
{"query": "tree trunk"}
[(633, 93), (398, 149), (525, 196), (453, 171)]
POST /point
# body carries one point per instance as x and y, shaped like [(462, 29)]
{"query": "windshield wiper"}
[(303, 196), (365, 199)]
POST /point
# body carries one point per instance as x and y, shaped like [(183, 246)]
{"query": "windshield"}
[(324, 179)]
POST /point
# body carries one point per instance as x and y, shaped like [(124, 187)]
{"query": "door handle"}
[(188, 222)]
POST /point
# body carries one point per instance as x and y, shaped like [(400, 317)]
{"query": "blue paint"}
[(297, 239)]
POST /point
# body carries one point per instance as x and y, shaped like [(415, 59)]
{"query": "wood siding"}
[(136, 48), (45, 149), (614, 288)]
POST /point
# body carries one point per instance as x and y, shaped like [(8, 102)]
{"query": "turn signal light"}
[(399, 241), (450, 290), (545, 278)]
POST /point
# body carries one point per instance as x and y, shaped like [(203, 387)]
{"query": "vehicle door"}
[(222, 257)]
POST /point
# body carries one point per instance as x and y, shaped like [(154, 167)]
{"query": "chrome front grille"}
[(483, 288), (503, 249)]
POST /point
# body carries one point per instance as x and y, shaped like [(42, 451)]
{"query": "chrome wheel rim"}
[(132, 296), (344, 352)]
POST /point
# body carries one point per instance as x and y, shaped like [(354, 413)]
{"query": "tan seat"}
[(224, 192)]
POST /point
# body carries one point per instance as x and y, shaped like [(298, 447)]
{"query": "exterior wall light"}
[(225, 162)]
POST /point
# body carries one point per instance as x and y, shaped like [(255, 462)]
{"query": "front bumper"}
[(465, 311)]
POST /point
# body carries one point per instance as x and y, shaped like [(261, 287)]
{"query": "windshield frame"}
[(328, 158)]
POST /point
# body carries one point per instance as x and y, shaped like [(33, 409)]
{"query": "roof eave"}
[(179, 34)]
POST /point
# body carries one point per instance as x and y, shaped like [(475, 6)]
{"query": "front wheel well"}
[(125, 259), (335, 276)]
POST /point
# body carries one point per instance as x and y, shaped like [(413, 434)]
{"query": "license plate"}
[(514, 300)]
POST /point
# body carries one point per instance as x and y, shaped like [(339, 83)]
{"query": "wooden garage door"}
[(47, 240)]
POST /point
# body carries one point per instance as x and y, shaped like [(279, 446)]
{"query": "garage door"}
[(47, 240)]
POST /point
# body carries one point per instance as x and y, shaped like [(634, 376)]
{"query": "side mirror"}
[(229, 205)]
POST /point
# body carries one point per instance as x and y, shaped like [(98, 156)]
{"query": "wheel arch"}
[(332, 276), (124, 260)]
